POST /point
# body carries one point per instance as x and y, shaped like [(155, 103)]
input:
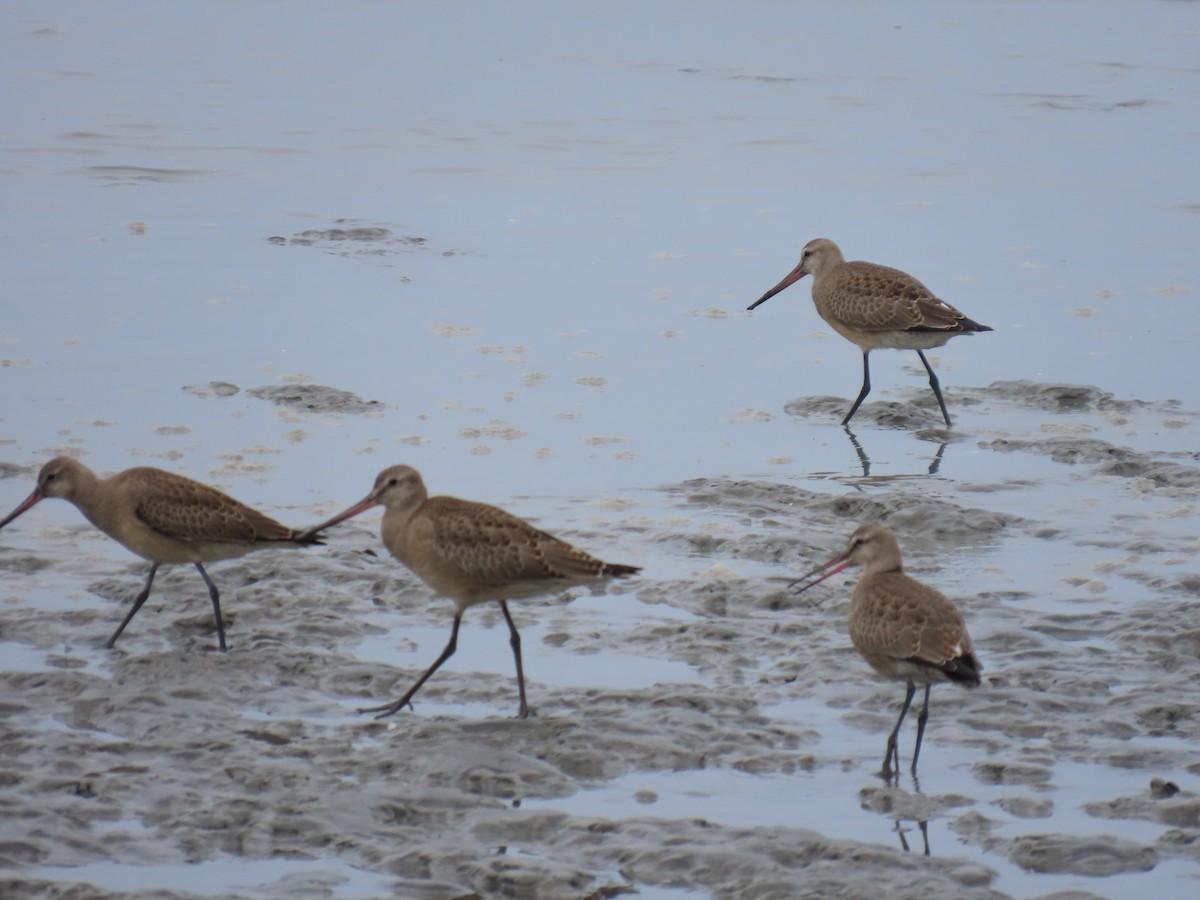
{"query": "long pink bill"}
[(30, 501), (832, 567), (791, 278), (360, 507)]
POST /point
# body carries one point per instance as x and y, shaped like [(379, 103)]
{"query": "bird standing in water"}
[(905, 630), (472, 553), (876, 306), (164, 518)]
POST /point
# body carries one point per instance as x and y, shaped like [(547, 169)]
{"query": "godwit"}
[(472, 553), (876, 306), (164, 518), (906, 630)]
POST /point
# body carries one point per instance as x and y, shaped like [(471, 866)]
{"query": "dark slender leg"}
[(921, 720), (892, 752), (515, 642), (936, 385), (137, 604), (388, 709), (216, 600), (866, 387)]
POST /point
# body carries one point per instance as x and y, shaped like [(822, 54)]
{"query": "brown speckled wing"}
[(187, 510), (900, 618), (489, 546), (871, 297)]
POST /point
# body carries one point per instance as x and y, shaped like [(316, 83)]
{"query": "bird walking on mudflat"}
[(875, 306), (472, 553), (164, 518), (905, 630)]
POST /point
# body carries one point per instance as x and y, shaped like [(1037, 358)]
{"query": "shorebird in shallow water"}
[(905, 630), (164, 518), (472, 553), (876, 306)]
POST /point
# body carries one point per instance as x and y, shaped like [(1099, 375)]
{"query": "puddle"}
[(547, 639), (265, 878), (830, 798)]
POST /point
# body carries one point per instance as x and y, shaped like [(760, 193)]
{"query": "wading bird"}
[(164, 518), (472, 553), (876, 306), (905, 630)]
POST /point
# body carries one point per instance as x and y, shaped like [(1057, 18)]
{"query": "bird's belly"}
[(158, 548), (872, 338), (904, 670), (468, 591), (905, 340)]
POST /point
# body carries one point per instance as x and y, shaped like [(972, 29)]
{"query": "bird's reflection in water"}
[(936, 462), (892, 780), (922, 824), (905, 809), (865, 461)]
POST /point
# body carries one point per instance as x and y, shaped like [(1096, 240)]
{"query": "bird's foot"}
[(387, 709)]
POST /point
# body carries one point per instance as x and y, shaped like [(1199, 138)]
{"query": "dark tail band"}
[(308, 538), (964, 670), (616, 570)]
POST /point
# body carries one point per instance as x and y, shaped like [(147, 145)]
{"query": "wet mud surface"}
[(357, 239), (514, 248), (1063, 771), (315, 398)]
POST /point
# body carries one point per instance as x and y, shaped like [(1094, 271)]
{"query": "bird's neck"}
[(87, 493), (396, 520)]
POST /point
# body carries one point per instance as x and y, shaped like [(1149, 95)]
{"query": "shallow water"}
[(278, 249)]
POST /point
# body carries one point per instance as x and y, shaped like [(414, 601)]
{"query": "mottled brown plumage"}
[(904, 629), (876, 306), (472, 553), (164, 518)]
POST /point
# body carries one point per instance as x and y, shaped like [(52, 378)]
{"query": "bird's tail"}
[(971, 325), (616, 570), (964, 670), (308, 537)]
